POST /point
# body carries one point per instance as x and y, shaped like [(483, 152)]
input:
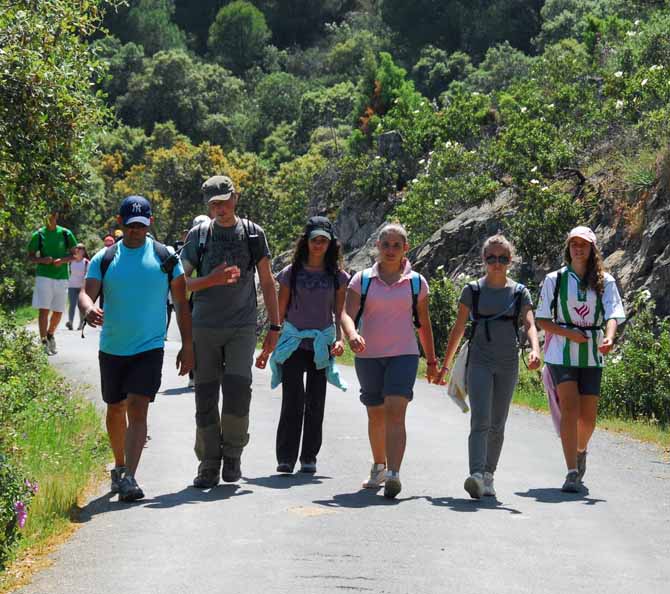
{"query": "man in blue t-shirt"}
[(133, 276)]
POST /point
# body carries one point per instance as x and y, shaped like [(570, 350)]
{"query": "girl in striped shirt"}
[(579, 310)]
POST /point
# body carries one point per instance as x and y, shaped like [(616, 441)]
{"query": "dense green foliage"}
[(636, 381)]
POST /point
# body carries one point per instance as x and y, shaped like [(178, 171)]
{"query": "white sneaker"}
[(377, 476), (474, 485), (489, 489)]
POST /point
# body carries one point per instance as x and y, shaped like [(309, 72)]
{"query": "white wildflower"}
[(422, 161), (534, 169), (475, 93), (545, 188), (551, 106), (619, 104), (535, 181), (415, 180), (618, 73), (524, 109), (644, 82), (416, 111), (637, 22), (631, 33), (440, 267), (646, 294), (436, 202)]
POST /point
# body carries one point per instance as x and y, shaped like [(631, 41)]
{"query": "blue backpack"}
[(415, 287)]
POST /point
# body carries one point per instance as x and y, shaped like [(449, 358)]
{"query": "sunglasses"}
[(136, 226), (499, 259)]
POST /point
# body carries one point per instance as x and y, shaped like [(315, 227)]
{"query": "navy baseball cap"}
[(135, 209)]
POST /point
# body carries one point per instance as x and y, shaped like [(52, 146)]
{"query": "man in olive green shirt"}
[(51, 248)]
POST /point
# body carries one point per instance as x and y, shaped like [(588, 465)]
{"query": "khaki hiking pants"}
[(223, 357)]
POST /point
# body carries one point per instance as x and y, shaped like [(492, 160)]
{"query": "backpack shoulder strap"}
[(366, 278), (204, 233), (107, 258), (476, 290), (167, 258), (415, 284), (554, 301), (251, 232)]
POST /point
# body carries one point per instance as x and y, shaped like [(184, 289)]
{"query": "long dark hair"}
[(332, 261), (594, 278)]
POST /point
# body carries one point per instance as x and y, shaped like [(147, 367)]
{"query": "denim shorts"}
[(588, 378), (386, 376)]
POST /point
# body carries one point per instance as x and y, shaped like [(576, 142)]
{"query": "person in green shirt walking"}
[(51, 247)]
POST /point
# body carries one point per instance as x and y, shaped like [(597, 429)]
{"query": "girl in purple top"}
[(311, 297), (387, 355)]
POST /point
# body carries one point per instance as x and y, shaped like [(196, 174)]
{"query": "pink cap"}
[(584, 233)]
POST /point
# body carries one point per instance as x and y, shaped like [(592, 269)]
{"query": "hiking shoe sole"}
[(473, 488)]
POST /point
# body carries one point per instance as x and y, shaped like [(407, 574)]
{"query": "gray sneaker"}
[(51, 342), (581, 464), (392, 485), (489, 489), (129, 490), (115, 475), (474, 485), (572, 483), (376, 478)]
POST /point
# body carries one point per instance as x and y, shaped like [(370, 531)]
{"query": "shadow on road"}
[(555, 495), (471, 505), (192, 495), (286, 481), (360, 499)]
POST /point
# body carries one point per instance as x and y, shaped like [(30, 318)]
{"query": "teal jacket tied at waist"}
[(290, 340)]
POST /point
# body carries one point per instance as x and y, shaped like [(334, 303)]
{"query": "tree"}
[(174, 86), (501, 66), (301, 22), (150, 24), (436, 69), (122, 62), (238, 35), (47, 113), (278, 97)]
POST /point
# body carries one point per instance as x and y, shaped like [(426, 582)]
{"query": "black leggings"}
[(301, 400)]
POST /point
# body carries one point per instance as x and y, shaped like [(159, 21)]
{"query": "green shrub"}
[(15, 495), (636, 379), (452, 178), (444, 295)]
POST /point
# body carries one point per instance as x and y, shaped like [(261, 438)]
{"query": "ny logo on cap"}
[(137, 207)]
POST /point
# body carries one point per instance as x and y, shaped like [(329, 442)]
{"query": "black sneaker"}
[(231, 472), (572, 483), (129, 490), (285, 468), (115, 476), (581, 464), (68, 325), (308, 467), (207, 478)]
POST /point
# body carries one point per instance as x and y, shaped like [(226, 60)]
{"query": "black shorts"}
[(588, 378), (132, 374)]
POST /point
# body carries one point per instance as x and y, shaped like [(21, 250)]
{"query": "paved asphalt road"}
[(323, 534)]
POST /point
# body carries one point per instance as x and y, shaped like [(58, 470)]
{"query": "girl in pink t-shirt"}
[(387, 354)]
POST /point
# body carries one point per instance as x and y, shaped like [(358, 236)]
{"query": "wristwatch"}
[(275, 327)]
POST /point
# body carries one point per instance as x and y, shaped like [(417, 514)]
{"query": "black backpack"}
[(476, 317), (167, 259), (251, 233), (41, 238)]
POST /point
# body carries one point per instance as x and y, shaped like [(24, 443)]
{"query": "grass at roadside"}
[(49, 436)]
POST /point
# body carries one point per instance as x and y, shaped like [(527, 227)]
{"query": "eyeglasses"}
[(505, 260)]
